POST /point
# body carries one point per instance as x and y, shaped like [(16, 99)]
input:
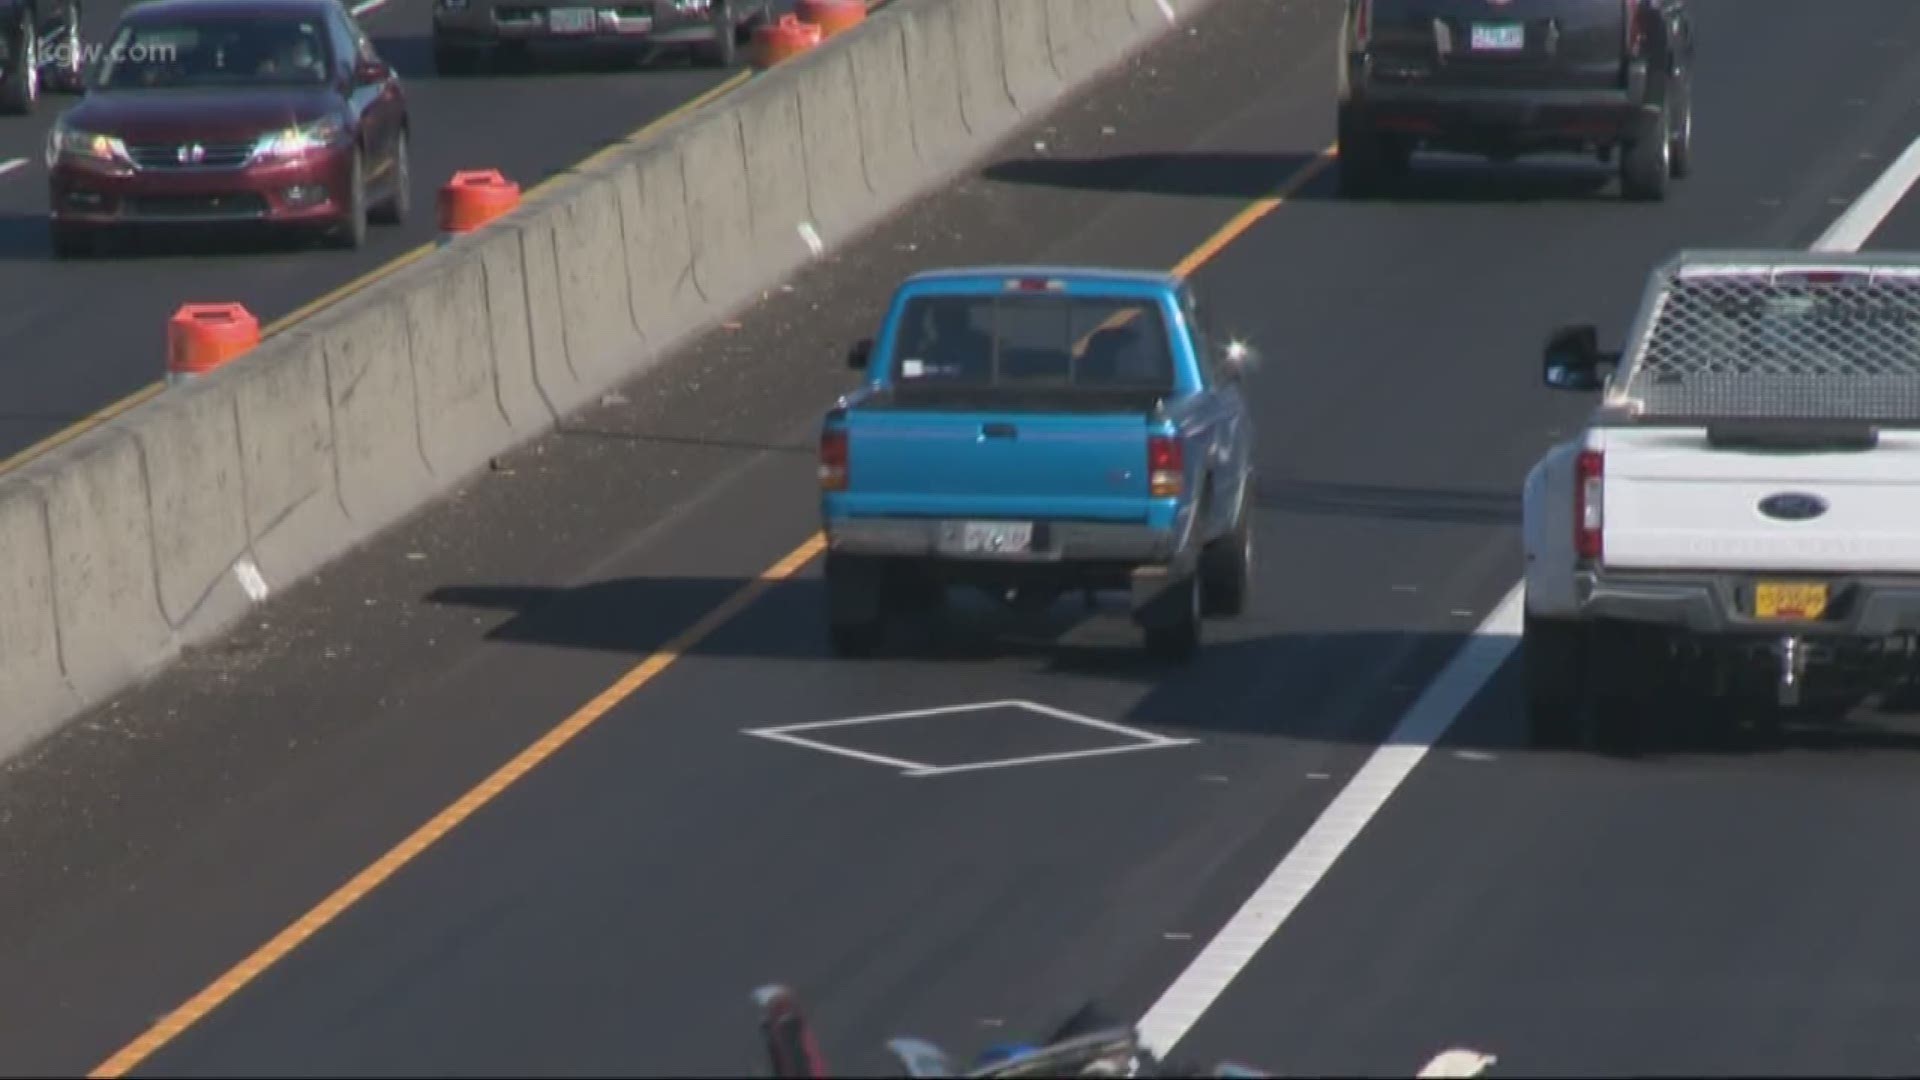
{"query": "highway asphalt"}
[(1723, 910), (78, 336)]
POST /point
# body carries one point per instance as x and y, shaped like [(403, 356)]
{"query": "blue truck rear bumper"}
[(1056, 543), (1142, 560)]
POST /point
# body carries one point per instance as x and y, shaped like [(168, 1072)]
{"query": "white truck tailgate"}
[(1673, 502)]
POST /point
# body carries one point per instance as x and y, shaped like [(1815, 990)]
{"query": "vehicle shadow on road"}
[(1346, 686), (1205, 174), (25, 238), (412, 56), (1387, 502), (1248, 176)]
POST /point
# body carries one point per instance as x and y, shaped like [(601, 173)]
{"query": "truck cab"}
[(1037, 430)]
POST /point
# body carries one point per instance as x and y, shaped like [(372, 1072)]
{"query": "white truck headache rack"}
[(1775, 335)]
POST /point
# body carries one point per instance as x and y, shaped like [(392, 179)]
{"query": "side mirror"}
[(861, 352), (1573, 360), (371, 72)]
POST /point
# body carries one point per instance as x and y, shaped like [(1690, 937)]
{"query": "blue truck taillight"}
[(1166, 466), (833, 459)]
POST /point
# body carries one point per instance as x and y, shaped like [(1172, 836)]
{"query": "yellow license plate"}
[(1789, 600)]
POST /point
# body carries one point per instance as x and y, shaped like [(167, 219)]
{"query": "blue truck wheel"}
[(1226, 569)]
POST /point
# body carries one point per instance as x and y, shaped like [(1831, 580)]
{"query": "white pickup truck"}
[(1743, 507)]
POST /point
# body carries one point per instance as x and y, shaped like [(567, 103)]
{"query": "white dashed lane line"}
[(12, 164)]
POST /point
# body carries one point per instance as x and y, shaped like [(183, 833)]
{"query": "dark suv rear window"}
[(1007, 343)]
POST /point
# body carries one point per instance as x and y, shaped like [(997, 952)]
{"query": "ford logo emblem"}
[(1793, 506)]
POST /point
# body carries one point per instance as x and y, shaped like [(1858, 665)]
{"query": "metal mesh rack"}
[(1783, 335)]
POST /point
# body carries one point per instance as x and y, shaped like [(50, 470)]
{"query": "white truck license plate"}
[(573, 20), (989, 537), (1499, 37)]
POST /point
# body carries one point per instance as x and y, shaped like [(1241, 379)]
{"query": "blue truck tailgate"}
[(1088, 467)]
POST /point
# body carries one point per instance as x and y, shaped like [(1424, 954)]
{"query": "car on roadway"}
[(1740, 518), (207, 112), (1502, 79), (40, 48), (469, 33), (1034, 430)]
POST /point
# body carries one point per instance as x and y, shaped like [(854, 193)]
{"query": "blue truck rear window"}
[(1011, 342)]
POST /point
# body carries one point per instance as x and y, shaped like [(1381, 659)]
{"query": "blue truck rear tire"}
[(1226, 569)]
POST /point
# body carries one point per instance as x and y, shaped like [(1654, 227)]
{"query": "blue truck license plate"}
[(988, 537)]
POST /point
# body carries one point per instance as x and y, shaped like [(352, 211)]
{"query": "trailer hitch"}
[(1792, 655)]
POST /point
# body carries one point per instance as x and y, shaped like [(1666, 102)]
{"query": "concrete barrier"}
[(106, 599), (980, 69), (836, 175), (596, 301), (189, 446), (33, 679), (160, 527), (883, 110), (292, 506), (653, 199), (1026, 55), (773, 140), (934, 94), (378, 459)]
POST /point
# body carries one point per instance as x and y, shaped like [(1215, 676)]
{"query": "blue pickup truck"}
[(1036, 430)]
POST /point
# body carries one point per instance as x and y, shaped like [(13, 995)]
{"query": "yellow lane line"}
[(80, 427), (1249, 217)]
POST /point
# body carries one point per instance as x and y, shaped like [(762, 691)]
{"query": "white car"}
[(1743, 507)]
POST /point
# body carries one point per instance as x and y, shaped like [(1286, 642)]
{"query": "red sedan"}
[(276, 112)]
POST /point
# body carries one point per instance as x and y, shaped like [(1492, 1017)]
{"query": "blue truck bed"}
[(1034, 430)]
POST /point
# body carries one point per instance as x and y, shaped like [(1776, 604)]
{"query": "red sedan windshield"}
[(213, 52)]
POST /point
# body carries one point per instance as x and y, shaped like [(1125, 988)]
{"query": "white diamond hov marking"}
[(1137, 739)]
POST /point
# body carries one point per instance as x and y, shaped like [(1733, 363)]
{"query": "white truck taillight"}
[(1589, 471)]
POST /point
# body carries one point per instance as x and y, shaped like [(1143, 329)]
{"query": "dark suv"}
[(1507, 78)]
